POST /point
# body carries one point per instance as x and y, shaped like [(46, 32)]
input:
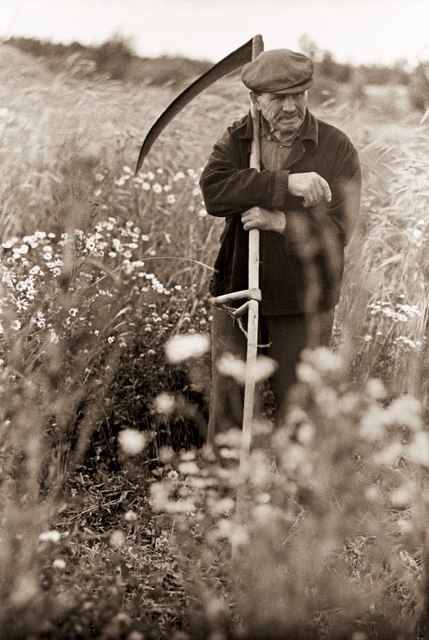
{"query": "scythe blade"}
[(230, 63)]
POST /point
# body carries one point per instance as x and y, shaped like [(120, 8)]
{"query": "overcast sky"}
[(353, 30)]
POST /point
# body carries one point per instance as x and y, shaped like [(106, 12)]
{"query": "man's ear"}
[(255, 100)]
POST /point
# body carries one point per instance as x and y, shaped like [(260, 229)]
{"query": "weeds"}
[(107, 529)]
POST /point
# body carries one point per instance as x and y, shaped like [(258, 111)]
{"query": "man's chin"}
[(289, 127)]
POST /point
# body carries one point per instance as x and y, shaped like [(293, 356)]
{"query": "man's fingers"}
[(252, 224), (314, 195), (246, 218), (326, 191), (316, 192)]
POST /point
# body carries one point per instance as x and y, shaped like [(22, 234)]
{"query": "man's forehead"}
[(284, 94)]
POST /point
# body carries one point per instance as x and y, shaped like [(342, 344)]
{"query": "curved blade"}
[(230, 63)]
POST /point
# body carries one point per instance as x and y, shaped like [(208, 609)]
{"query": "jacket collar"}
[(310, 129)]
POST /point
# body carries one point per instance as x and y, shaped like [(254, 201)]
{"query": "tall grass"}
[(99, 267)]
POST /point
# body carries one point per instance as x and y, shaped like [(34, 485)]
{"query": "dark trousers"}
[(286, 336)]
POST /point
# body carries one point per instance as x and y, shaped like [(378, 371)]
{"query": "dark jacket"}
[(301, 271)]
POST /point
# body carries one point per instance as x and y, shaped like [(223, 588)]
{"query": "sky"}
[(355, 31)]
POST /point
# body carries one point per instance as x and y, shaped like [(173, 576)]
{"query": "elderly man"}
[(308, 193)]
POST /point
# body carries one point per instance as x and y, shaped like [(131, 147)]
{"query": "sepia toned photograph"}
[(214, 320)]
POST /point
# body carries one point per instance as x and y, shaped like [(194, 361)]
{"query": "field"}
[(114, 521)]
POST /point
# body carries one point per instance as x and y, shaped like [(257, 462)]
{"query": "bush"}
[(419, 89)]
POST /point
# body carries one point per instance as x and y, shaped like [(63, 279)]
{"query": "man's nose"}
[(288, 103)]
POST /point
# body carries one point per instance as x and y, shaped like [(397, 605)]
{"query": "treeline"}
[(116, 59), (328, 67)]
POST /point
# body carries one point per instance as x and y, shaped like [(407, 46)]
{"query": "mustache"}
[(291, 115)]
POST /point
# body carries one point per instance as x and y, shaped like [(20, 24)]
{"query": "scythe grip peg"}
[(248, 294)]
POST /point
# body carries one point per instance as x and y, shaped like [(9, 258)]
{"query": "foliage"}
[(100, 268), (325, 520), (329, 68), (115, 59), (419, 87)]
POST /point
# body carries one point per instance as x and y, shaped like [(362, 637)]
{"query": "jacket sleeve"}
[(229, 187), (329, 226)]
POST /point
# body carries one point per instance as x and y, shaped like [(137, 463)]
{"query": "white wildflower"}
[(389, 455), (187, 455), (180, 507), (229, 454), (307, 374), (235, 533), (231, 365), (130, 516), (40, 320), (294, 458), (306, 433), (400, 497), (10, 242), (231, 438), (222, 506), (418, 450), (186, 346), (117, 539), (405, 410), (323, 359), (376, 389), (259, 468), (132, 441), (50, 536), (159, 496), (349, 403), (59, 563), (372, 494), (164, 403), (188, 468), (405, 526), (373, 423)]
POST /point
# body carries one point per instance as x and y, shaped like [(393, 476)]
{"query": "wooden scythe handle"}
[(253, 305)]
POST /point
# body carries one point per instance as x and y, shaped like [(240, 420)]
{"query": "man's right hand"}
[(309, 186)]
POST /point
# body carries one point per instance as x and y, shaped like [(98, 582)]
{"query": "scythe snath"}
[(250, 50)]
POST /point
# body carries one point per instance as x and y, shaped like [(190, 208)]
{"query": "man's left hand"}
[(264, 220)]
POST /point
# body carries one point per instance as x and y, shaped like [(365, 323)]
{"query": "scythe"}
[(252, 295)]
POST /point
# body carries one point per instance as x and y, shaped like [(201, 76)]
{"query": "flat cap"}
[(278, 71)]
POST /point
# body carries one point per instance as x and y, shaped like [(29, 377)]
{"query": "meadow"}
[(114, 521)]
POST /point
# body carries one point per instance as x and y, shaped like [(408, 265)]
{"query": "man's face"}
[(285, 112)]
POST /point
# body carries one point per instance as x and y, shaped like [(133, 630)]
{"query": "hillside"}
[(113, 59)]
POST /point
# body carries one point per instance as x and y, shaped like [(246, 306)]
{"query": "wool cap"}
[(278, 71)]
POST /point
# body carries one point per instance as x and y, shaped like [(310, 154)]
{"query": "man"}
[(308, 192)]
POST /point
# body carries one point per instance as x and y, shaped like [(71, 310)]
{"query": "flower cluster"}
[(344, 469), (97, 264), (159, 189)]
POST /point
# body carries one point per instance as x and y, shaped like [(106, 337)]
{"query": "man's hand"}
[(309, 186), (264, 220)]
